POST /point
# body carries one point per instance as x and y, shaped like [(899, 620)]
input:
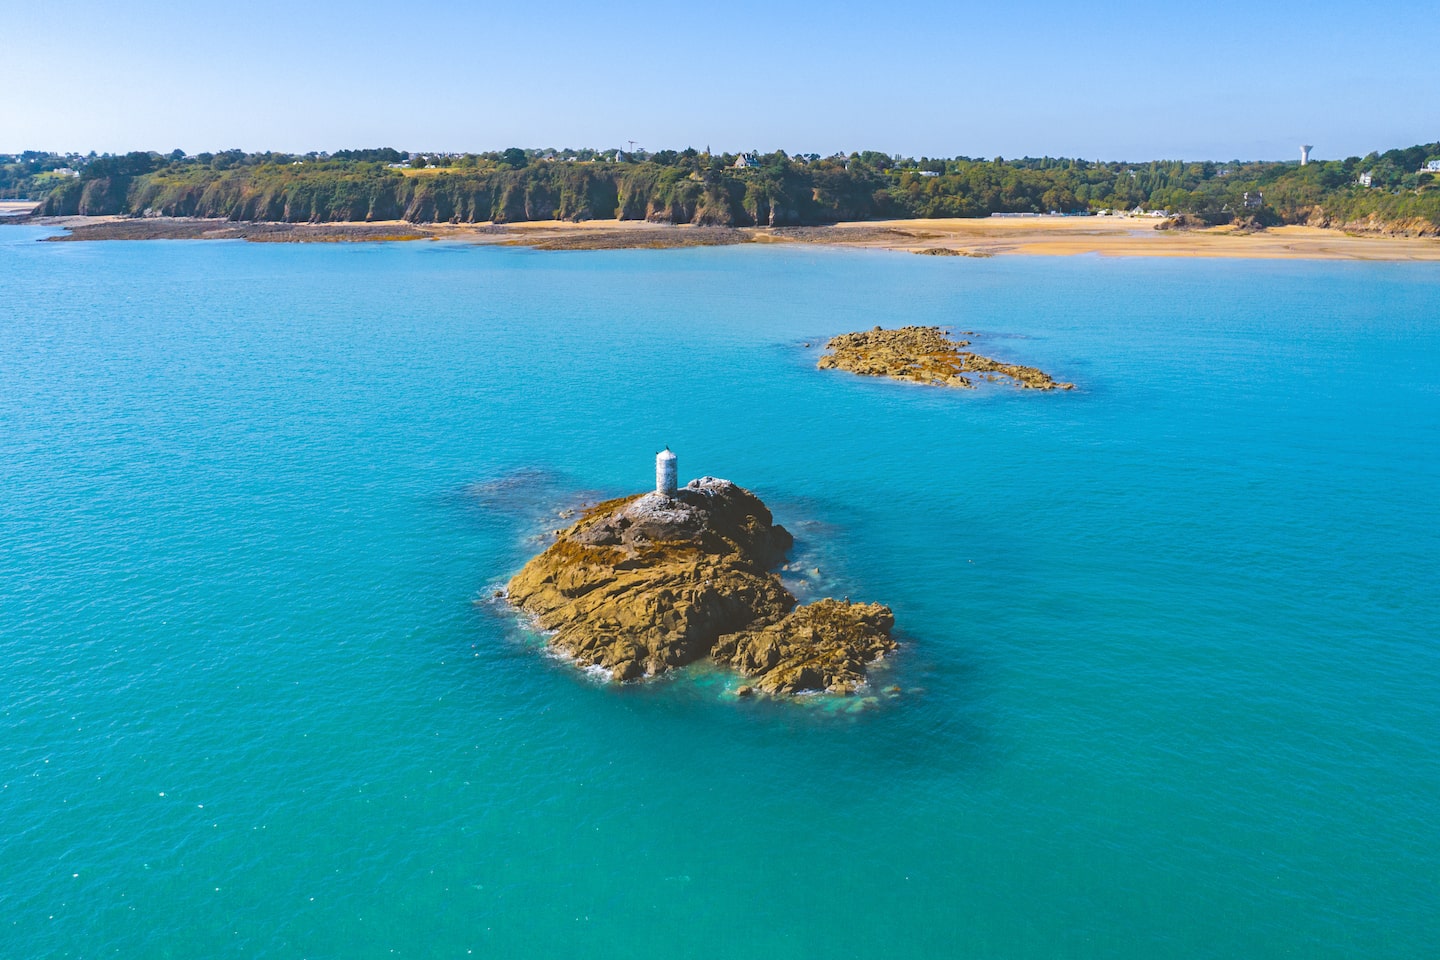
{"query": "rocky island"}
[(926, 355), (642, 584)]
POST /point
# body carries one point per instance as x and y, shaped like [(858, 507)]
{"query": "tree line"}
[(690, 186)]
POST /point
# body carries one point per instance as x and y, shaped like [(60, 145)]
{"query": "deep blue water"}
[(1171, 650)]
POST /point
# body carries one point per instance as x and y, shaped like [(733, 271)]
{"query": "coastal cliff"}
[(1374, 224), (926, 355), (720, 190), (641, 585)]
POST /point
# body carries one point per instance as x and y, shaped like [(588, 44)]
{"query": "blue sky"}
[(1120, 80)]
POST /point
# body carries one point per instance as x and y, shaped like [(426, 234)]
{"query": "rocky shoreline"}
[(642, 585), (181, 228), (927, 355)]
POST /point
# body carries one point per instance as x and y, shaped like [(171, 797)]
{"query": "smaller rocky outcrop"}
[(1249, 225), (952, 252), (823, 645), (644, 584), (1183, 221), (926, 355)]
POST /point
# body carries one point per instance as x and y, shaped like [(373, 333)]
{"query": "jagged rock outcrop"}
[(1183, 221), (643, 584), (821, 645), (1376, 225), (926, 355)]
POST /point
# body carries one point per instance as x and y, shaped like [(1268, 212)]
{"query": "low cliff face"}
[(1376, 225), (926, 355), (643, 584), (90, 198)]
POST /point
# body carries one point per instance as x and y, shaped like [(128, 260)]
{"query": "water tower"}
[(1305, 149)]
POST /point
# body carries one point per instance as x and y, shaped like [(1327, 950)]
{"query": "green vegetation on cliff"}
[(1389, 190)]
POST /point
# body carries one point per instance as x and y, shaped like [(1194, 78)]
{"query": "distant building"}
[(1432, 166), (1305, 149), (746, 160), (929, 173), (1365, 179), (1254, 199)]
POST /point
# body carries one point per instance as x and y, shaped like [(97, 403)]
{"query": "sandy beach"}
[(992, 236), (997, 236), (1135, 237), (17, 208)]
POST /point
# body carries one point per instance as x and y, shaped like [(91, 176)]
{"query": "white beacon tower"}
[(1305, 149), (665, 472)]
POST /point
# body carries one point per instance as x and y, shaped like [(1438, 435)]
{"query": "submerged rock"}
[(926, 355), (643, 584)]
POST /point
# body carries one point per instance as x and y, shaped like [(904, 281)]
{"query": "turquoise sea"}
[(1171, 661)]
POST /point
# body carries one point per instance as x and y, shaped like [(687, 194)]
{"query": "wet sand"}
[(992, 236), (1138, 237)]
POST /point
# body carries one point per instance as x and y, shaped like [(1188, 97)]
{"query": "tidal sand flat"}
[(1127, 237), (974, 237), (1166, 642), (17, 208)]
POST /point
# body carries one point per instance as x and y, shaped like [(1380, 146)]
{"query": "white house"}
[(1365, 179), (746, 160), (1432, 166)]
